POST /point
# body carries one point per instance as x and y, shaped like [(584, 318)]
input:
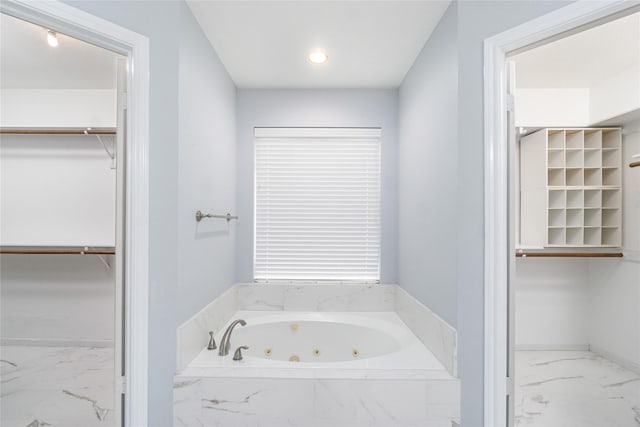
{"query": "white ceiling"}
[(583, 59), (28, 62), (263, 44)]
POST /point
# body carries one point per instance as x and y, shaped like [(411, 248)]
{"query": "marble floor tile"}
[(56, 386), (574, 388)]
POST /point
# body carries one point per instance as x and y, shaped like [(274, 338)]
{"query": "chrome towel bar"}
[(228, 216)]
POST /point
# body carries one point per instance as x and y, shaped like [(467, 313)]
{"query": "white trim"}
[(496, 165), (311, 132), (74, 22), (552, 347), (624, 362), (35, 342)]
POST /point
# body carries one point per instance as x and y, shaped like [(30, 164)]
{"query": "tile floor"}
[(574, 389), (56, 386)]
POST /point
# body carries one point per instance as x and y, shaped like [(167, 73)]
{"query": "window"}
[(317, 204)]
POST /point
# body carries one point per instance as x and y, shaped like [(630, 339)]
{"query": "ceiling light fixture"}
[(52, 38), (317, 56)]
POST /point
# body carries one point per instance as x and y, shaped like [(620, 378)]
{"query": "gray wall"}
[(476, 22), (206, 172), (434, 69), (338, 108), (427, 172), (168, 25)]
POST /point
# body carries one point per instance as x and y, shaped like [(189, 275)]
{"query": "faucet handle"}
[(212, 342), (238, 354)]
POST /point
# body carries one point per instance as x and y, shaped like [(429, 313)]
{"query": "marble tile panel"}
[(339, 297), (370, 403), (574, 388), (259, 402), (71, 386), (436, 334), (263, 297), (187, 394), (193, 335)]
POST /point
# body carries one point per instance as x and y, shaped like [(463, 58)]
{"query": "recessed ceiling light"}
[(317, 56), (52, 39)]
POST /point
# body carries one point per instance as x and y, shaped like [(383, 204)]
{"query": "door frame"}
[(66, 19), (499, 249)]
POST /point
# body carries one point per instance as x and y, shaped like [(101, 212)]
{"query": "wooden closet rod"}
[(634, 164), (57, 250), (58, 131), (570, 254)]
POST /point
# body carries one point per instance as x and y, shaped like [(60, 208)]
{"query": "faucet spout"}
[(225, 343)]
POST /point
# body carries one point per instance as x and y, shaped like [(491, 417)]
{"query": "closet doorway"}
[(574, 286), (62, 282), (503, 209)]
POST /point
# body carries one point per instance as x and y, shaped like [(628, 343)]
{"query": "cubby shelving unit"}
[(571, 188)]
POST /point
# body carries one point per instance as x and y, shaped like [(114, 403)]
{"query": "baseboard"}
[(56, 343), (625, 363), (552, 347)]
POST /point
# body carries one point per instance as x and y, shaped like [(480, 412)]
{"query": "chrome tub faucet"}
[(225, 343)]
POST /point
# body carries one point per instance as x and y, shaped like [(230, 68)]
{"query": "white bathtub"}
[(320, 345)]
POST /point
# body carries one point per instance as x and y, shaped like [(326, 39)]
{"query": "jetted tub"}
[(316, 344)]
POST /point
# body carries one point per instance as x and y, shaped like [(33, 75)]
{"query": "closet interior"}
[(576, 284), (60, 229)]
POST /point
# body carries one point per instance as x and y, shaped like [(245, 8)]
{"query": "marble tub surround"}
[(314, 402), (325, 297), (230, 393), (436, 334), (193, 335), (574, 388), (57, 386)]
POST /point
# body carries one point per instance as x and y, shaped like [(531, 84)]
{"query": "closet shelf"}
[(58, 250), (58, 131), (569, 254)]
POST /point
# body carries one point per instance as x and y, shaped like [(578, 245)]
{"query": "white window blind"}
[(317, 204)]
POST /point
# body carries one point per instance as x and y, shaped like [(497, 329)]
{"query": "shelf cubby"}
[(611, 217), (556, 139), (557, 199), (574, 177), (592, 177), (574, 158), (611, 138), (611, 198), (575, 198), (592, 236), (611, 177), (555, 158), (592, 158), (592, 198), (556, 218), (574, 139), (611, 236), (556, 177), (592, 217), (575, 217), (593, 138), (575, 236), (556, 236), (611, 158)]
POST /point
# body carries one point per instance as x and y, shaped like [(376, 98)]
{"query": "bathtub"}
[(320, 345)]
